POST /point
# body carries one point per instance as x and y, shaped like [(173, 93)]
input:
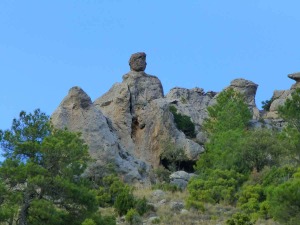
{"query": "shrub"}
[(141, 206), (290, 110), (284, 201), (239, 219), (277, 176), (215, 186), (162, 174), (250, 199), (172, 156), (124, 201), (183, 123), (133, 217), (267, 104), (229, 113), (156, 221), (166, 187), (89, 222), (190, 203), (111, 187)]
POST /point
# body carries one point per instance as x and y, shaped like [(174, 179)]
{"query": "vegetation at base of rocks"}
[(183, 122), (229, 113), (290, 113), (215, 186), (162, 174), (172, 156), (133, 217), (113, 192), (156, 221), (255, 171), (267, 104), (246, 176), (232, 144), (41, 180), (166, 187), (239, 219), (290, 110)]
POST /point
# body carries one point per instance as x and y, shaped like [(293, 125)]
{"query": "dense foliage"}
[(267, 104), (113, 192), (172, 156), (41, 180), (183, 122), (255, 170)]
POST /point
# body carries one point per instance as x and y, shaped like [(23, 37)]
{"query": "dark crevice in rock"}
[(134, 127), (187, 165), (130, 102)]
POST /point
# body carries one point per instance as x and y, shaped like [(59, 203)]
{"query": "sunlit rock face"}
[(131, 124)]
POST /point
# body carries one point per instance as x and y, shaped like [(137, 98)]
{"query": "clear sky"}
[(48, 46)]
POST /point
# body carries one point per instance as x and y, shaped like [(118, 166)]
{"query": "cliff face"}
[(131, 125)]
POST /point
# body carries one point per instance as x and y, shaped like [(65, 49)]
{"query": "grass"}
[(213, 214)]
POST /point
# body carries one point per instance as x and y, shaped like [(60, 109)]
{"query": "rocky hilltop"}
[(131, 125)]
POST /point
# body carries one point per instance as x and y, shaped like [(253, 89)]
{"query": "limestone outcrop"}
[(295, 77), (77, 113), (248, 89), (279, 97), (193, 103), (131, 125), (139, 115)]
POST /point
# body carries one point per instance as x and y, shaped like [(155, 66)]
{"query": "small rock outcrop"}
[(279, 97), (248, 89), (192, 103), (295, 77), (180, 178)]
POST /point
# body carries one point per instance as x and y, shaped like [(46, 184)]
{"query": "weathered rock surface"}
[(176, 206), (295, 77), (160, 131), (279, 97), (193, 103), (131, 124), (139, 115), (77, 113), (137, 61), (180, 178), (248, 89)]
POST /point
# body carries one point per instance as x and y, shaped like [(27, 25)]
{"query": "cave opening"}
[(186, 165)]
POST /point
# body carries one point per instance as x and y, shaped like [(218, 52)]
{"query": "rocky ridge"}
[(131, 125)]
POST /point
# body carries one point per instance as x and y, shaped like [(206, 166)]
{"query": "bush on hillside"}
[(183, 123)]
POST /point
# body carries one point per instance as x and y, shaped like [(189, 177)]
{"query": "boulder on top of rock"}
[(295, 76), (279, 97), (137, 61), (125, 102)]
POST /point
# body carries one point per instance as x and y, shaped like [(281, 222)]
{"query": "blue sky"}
[(48, 46)]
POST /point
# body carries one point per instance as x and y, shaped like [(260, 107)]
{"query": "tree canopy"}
[(41, 179)]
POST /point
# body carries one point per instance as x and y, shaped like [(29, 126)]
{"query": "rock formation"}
[(295, 77), (279, 97), (77, 113), (139, 115), (137, 62), (131, 125), (248, 89)]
